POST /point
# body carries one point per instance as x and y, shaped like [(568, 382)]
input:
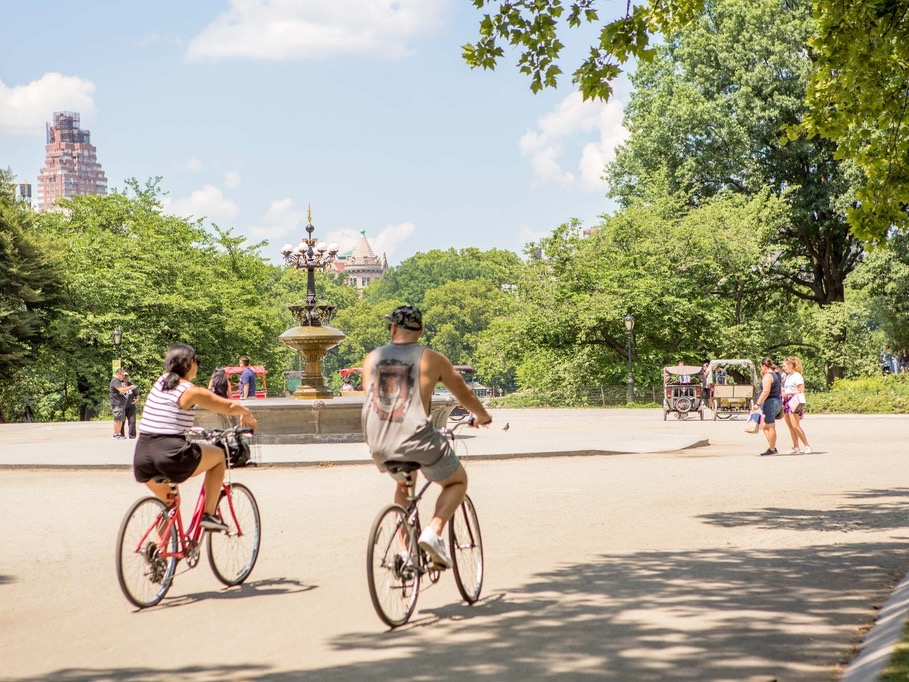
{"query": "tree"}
[(533, 26), (159, 279), (416, 275), (708, 115), (456, 312), (857, 98), (30, 289)]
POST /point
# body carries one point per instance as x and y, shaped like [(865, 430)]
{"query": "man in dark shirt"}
[(132, 400), (119, 388), (247, 379)]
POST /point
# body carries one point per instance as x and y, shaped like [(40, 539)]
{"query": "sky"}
[(251, 111)]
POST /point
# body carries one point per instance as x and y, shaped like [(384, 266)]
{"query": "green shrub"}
[(865, 395)]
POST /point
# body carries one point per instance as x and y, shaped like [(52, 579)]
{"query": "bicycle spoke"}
[(144, 573), (232, 555), (466, 544), (394, 579)]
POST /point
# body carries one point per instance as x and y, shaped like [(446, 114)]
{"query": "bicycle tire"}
[(232, 554), (394, 580), (144, 577), (466, 543)]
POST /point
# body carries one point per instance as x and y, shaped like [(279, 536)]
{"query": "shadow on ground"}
[(718, 614)]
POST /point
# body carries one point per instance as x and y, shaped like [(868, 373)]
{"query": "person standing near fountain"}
[(247, 379), (399, 378)]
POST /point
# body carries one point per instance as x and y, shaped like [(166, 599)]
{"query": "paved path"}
[(530, 433), (688, 557)]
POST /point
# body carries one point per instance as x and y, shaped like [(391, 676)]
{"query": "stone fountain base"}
[(286, 421)]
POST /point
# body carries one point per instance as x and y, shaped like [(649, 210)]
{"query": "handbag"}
[(800, 397), (753, 424)]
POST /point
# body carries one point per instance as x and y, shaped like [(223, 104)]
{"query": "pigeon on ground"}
[(505, 428)]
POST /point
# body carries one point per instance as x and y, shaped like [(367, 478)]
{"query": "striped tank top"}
[(162, 414)]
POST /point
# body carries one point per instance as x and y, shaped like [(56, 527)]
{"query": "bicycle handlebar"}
[(217, 435)]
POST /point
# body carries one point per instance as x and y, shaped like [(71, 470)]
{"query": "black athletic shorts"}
[(168, 456)]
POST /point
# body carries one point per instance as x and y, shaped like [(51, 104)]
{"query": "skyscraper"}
[(71, 165)]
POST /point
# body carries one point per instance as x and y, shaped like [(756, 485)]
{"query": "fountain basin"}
[(286, 421)]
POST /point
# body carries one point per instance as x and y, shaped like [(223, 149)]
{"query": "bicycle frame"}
[(188, 539)]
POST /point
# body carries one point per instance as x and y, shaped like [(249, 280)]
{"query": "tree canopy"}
[(856, 99), (707, 115)]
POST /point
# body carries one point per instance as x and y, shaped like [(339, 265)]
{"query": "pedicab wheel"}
[(466, 545), (394, 580), (145, 575)]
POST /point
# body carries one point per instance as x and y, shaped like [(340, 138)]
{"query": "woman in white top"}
[(794, 404), (162, 450)]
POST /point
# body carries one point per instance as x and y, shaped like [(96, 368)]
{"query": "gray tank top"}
[(394, 420)]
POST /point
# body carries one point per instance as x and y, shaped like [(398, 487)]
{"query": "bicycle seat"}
[(402, 467)]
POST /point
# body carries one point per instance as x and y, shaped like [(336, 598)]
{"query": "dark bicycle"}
[(395, 563)]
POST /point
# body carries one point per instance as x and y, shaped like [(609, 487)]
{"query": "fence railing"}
[(601, 395)]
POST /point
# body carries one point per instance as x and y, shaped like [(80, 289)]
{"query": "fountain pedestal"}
[(312, 343)]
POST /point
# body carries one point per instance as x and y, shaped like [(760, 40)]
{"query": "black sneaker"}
[(768, 451), (210, 522)]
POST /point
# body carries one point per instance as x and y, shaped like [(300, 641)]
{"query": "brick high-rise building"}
[(71, 165)]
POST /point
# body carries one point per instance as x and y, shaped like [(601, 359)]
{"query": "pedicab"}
[(233, 376), (683, 391), (353, 382), (732, 386)]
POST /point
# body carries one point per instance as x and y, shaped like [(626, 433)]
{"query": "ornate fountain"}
[(312, 338), (314, 417)]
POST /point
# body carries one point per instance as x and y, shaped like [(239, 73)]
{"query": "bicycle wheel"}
[(466, 551), (145, 576), (394, 579), (233, 554)]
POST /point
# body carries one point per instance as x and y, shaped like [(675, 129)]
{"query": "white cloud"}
[(280, 222), (27, 108), (193, 164), (315, 29), (570, 123), (392, 237), (208, 202), (232, 179)]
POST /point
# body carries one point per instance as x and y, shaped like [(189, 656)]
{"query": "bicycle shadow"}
[(248, 590)]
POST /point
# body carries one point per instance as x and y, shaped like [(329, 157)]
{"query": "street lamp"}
[(117, 336), (629, 330)]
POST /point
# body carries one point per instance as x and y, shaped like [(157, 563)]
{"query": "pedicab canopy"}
[(674, 373), (233, 376)]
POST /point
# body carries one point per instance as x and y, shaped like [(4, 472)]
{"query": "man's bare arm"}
[(441, 369)]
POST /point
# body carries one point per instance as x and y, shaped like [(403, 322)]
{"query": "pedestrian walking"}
[(794, 404), (770, 402)]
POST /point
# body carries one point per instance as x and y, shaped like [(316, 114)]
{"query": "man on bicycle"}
[(399, 378)]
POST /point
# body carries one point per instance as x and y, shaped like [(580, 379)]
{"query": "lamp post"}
[(311, 256), (629, 330), (116, 336)]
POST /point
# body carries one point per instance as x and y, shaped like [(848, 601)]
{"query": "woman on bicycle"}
[(162, 450)]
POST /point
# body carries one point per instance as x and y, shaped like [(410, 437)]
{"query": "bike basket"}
[(239, 449)]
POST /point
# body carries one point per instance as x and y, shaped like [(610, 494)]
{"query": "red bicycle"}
[(152, 539)]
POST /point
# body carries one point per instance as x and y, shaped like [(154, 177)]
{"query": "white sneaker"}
[(807, 450), (434, 547), (793, 451)]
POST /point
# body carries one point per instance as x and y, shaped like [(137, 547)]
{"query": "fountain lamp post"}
[(312, 338)]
